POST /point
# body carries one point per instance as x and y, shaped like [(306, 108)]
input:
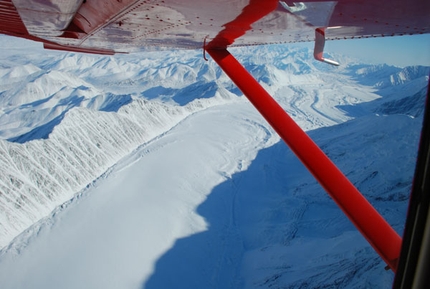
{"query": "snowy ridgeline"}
[(67, 118), (89, 131), (39, 175)]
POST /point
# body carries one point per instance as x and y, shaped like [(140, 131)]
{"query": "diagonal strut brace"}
[(368, 221)]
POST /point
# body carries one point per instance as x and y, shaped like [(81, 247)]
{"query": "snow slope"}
[(148, 199), (208, 198), (89, 131)]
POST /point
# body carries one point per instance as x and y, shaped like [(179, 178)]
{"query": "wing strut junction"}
[(381, 236)]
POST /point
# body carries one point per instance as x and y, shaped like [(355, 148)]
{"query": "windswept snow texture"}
[(152, 171)]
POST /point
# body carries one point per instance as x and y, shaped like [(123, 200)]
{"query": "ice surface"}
[(150, 171)]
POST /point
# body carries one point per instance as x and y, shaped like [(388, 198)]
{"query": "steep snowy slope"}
[(66, 119), (41, 174), (89, 128)]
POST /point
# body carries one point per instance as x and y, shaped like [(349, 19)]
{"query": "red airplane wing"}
[(103, 26)]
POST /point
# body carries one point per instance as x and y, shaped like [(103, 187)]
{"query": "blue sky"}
[(398, 50)]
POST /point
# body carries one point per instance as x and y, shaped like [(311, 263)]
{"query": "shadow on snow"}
[(276, 202), (211, 259)]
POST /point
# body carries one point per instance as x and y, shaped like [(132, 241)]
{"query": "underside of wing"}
[(104, 26)]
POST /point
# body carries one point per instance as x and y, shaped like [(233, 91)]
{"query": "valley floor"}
[(113, 236)]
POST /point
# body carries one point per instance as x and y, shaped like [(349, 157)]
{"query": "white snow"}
[(150, 170), (147, 201)]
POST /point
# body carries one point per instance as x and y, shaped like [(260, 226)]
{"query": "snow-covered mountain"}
[(66, 119)]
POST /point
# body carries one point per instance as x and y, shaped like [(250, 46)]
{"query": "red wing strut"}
[(368, 221)]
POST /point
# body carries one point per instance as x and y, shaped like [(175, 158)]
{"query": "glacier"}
[(153, 171)]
